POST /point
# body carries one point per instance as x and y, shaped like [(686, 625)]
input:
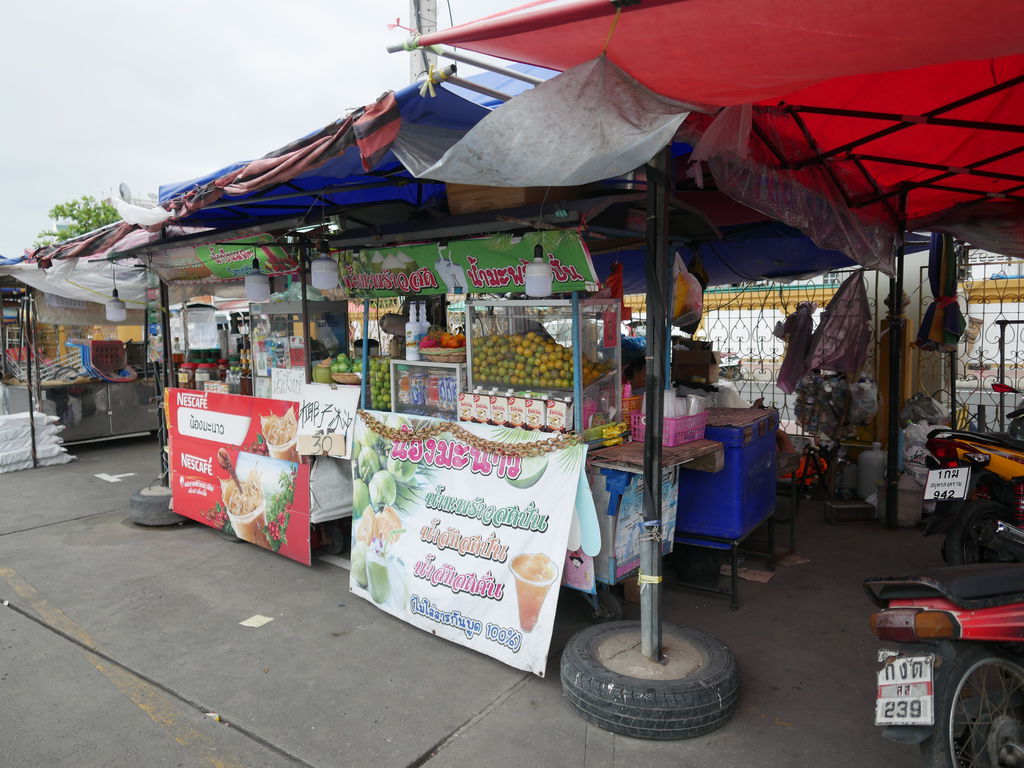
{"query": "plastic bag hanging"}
[(687, 295)]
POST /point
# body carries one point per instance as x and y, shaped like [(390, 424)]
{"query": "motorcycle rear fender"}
[(944, 651)]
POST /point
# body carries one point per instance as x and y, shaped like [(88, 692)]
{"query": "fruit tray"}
[(676, 431)]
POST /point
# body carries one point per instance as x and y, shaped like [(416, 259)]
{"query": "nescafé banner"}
[(479, 265), (234, 467), (463, 543)]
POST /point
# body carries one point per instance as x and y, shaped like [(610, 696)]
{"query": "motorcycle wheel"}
[(961, 546), (979, 713)]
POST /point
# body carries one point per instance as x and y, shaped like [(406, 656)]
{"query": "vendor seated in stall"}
[(634, 363)]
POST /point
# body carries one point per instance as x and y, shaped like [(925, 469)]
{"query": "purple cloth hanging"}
[(840, 342), (796, 331)]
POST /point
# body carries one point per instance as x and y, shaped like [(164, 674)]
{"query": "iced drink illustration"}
[(245, 507), (280, 433), (534, 575)]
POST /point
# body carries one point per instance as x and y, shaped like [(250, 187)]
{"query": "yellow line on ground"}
[(160, 707)]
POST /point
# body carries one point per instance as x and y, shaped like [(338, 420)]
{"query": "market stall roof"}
[(850, 120), (347, 164)]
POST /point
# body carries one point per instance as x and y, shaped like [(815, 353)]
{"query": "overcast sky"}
[(98, 92)]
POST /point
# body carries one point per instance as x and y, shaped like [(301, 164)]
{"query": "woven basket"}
[(443, 354), (347, 378)]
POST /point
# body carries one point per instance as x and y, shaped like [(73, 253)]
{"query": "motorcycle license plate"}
[(946, 484), (904, 694)]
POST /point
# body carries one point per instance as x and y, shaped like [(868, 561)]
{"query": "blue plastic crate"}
[(731, 503)]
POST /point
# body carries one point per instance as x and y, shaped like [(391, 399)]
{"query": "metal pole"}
[(657, 308), (366, 354), (1002, 372), (303, 265), (168, 378), (896, 321), (577, 364), (30, 340), (952, 389)]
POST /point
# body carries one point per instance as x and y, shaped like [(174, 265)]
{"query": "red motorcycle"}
[(954, 683)]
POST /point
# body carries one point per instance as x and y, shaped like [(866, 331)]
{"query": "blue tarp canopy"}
[(343, 182)]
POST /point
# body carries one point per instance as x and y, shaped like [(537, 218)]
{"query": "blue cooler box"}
[(731, 503)]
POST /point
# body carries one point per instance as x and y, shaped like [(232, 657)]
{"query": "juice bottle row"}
[(515, 410)]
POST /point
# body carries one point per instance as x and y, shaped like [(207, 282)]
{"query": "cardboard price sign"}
[(327, 417)]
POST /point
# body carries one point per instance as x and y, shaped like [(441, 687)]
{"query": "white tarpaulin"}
[(85, 280), (591, 122)]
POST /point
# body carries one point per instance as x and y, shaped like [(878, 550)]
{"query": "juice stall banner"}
[(478, 265), (463, 543), (234, 467)]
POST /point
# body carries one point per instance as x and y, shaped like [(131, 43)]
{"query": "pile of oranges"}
[(528, 360)]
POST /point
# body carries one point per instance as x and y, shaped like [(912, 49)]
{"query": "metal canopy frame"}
[(932, 117)]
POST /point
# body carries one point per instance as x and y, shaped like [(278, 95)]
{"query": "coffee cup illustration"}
[(246, 507), (281, 434)]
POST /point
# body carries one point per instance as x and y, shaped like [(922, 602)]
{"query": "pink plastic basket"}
[(682, 429)]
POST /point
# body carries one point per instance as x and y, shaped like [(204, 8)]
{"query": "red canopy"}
[(722, 52), (871, 113)]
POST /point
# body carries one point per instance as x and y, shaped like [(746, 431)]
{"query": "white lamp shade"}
[(324, 271), (257, 287), (538, 276), (116, 311)]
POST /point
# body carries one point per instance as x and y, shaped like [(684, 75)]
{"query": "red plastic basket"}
[(682, 429)]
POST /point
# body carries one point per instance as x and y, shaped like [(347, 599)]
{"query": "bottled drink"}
[(404, 387)]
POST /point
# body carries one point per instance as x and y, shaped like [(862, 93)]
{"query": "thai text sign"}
[(463, 543), (479, 265), (327, 417)]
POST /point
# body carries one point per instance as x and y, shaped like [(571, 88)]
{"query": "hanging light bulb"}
[(257, 284), (324, 270), (538, 274), (115, 309)]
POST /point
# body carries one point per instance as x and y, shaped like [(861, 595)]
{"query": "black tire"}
[(682, 708), (961, 547), (333, 538), (609, 607), (150, 506), (991, 687)]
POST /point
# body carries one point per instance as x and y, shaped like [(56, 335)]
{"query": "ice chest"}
[(731, 503)]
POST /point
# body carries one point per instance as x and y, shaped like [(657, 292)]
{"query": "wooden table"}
[(701, 455)]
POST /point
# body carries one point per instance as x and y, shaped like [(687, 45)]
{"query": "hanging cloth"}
[(840, 342), (796, 331)]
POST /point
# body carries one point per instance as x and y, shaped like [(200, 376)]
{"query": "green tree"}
[(78, 217)]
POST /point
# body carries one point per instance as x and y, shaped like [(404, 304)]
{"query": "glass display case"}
[(276, 337), (556, 350), (427, 388)]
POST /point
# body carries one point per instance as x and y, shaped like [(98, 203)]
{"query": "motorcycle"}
[(954, 684), (977, 482)]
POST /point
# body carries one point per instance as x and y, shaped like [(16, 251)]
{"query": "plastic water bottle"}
[(870, 470), (412, 340)]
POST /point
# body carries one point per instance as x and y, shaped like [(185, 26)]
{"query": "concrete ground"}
[(118, 641)]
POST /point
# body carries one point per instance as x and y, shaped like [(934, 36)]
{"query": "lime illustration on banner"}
[(233, 258), (478, 265), (461, 542)]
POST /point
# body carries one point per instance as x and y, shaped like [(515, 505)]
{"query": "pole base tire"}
[(151, 506), (609, 682)]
